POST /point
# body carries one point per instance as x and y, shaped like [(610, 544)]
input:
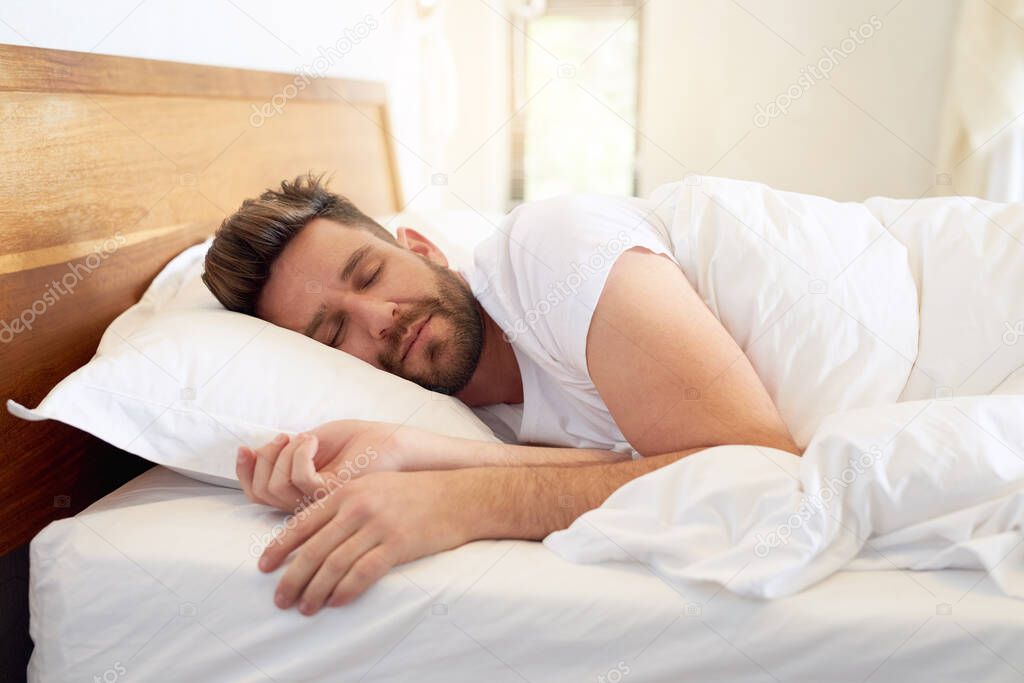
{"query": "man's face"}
[(387, 305)]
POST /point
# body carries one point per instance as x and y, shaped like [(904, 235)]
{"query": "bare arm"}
[(442, 453), (289, 472), (671, 375), (354, 535), (532, 502)]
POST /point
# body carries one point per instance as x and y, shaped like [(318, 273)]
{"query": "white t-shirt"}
[(539, 276)]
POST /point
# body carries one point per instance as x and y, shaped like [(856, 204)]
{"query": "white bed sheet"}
[(157, 582)]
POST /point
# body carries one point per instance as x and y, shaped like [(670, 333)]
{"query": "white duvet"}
[(887, 334)]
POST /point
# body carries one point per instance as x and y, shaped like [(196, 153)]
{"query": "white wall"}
[(872, 128), (257, 34), (445, 99)]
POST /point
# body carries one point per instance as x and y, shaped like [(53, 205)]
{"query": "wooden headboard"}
[(110, 166)]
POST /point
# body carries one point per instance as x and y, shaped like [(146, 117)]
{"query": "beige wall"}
[(871, 128), (706, 65)]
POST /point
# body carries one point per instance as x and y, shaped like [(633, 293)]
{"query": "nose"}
[(375, 315)]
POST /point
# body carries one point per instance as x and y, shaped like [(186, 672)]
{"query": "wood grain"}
[(29, 69), (109, 167)]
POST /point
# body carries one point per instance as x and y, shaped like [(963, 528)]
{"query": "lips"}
[(414, 334)]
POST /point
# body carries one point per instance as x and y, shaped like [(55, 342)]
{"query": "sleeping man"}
[(575, 313)]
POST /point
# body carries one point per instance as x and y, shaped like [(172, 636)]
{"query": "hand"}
[(356, 534), (290, 472)]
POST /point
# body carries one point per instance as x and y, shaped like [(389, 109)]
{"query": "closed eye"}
[(373, 278), (337, 333)]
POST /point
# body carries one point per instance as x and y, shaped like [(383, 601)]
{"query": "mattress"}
[(158, 582)]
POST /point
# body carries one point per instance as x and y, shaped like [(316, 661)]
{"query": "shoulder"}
[(574, 235), (541, 274)]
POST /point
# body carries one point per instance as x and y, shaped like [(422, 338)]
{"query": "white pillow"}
[(456, 232), (182, 382)]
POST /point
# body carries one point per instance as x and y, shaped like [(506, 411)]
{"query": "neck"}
[(497, 378)]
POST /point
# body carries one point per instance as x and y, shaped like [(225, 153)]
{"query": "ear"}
[(418, 244)]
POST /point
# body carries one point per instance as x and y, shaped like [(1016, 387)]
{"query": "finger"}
[(244, 469), (312, 554), (304, 474), (309, 521), (279, 486), (266, 455), (366, 571), (334, 437), (333, 569)]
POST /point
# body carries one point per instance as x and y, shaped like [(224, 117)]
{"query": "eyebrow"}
[(346, 273), (353, 261)]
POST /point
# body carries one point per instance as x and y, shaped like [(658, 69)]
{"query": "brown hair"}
[(247, 242)]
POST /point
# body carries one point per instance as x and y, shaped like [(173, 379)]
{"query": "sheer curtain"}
[(982, 146), (422, 91)]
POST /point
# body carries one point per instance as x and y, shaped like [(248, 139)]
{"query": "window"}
[(575, 88)]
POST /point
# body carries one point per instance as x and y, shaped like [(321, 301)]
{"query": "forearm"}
[(511, 455), (443, 452), (531, 502)]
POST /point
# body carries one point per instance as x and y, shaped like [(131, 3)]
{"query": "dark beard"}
[(455, 302)]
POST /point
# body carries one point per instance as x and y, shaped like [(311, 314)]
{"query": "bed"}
[(159, 579), (156, 580)]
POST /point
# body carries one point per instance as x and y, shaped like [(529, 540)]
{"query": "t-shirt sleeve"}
[(560, 253)]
